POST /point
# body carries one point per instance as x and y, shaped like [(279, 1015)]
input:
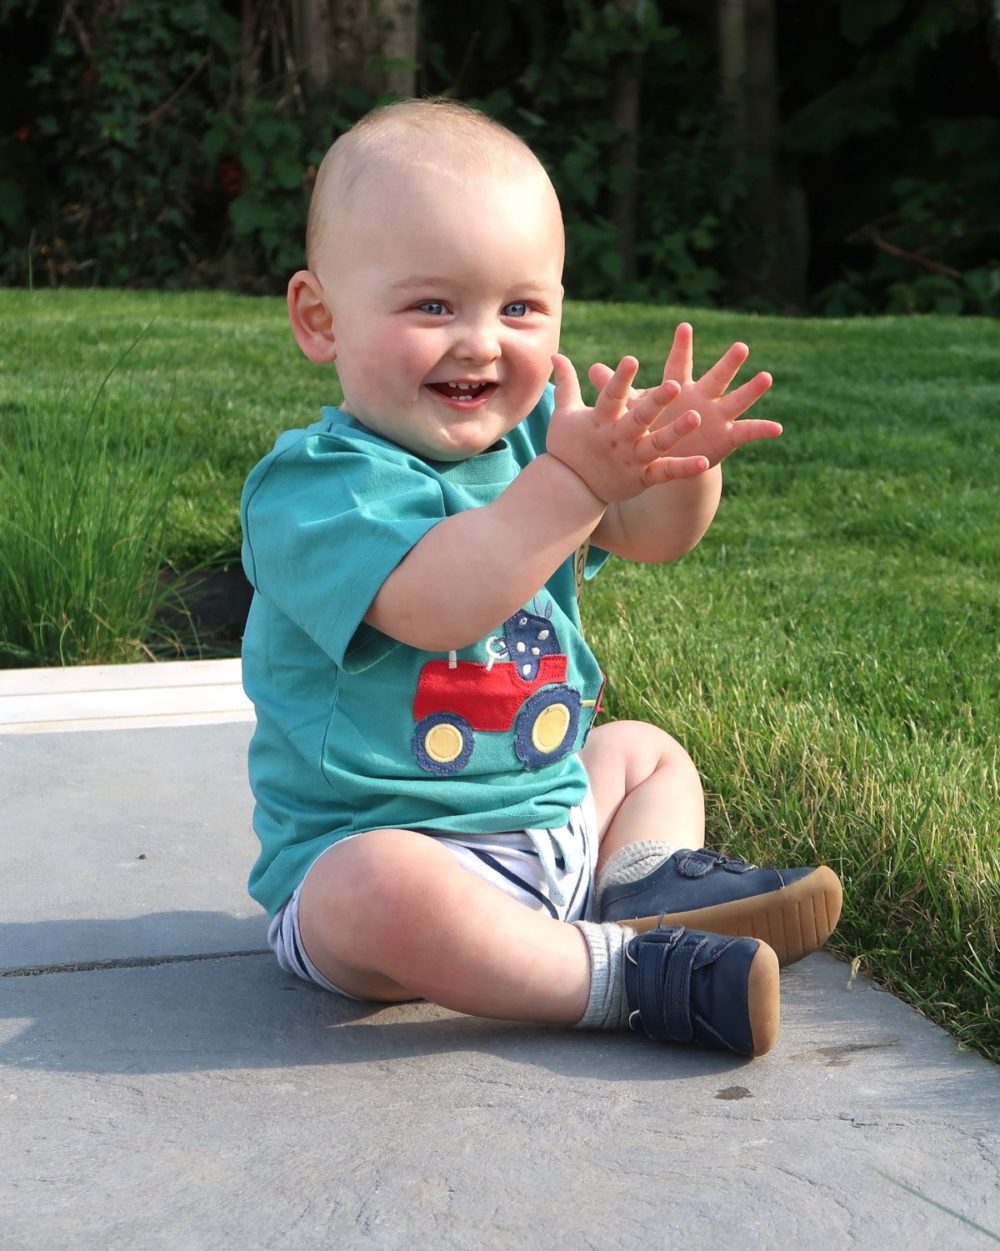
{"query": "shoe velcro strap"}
[(665, 983), (700, 863)]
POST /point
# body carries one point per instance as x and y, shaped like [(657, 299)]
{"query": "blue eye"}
[(434, 307), (517, 309)]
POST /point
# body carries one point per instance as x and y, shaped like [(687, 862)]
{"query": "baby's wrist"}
[(575, 475)]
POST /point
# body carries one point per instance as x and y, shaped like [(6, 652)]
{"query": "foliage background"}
[(172, 143)]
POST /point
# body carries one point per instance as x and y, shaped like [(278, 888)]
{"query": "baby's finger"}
[(645, 411), (665, 438), (616, 391), (715, 380), (680, 358), (599, 374), (737, 402), (566, 382), (672, 468), (753, 428)]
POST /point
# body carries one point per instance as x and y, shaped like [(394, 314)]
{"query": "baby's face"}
[(445, 293)]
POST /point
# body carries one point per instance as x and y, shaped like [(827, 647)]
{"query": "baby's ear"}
[(311, 321)]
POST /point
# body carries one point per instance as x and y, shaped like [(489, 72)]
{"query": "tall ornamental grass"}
[(82, 533)]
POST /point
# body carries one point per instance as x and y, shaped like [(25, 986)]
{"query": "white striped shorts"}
[(549, 871)]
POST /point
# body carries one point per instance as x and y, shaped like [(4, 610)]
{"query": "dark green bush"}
[(116, 189), (165, 143)]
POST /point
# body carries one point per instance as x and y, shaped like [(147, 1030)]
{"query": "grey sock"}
[(607, 1007), (631, 863)]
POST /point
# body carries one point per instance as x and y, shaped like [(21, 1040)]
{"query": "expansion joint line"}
[(129, 962)]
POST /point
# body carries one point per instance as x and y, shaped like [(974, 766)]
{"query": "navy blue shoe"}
[(793, 910), (684, 986)]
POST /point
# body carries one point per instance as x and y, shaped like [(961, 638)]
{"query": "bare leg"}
[(644, 787), (392, 915)]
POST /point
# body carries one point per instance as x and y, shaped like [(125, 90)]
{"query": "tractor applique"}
[(522, 687)]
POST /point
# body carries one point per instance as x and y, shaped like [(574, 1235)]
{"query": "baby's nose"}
[(478, 341)]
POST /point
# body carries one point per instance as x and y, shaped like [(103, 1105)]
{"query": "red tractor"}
[(523, 687)]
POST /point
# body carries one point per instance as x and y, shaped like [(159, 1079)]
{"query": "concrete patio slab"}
[(163, 1086), (126, 844), (101, 697), (220, 1103)]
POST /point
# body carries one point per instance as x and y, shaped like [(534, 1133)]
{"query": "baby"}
[(439, 816)]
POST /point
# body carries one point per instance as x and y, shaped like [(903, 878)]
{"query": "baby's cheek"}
[(412, 361)]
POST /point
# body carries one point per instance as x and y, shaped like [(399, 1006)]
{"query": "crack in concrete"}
[(129, 962)]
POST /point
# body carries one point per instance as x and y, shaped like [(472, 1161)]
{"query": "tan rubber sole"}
[(793, 921), (764, 999)]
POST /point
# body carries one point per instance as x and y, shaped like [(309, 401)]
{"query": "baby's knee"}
[(369, 879), (641, 747), (357, 906)]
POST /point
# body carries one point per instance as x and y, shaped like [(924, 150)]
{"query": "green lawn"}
[(829, 654)]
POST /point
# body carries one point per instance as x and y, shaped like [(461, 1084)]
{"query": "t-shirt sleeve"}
[(593, 560), (325, 523)]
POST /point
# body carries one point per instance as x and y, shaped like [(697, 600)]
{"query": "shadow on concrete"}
[(143, 938), (209, 1010), (239, 1011)]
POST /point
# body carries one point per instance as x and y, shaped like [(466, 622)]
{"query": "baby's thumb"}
[(568, 394)]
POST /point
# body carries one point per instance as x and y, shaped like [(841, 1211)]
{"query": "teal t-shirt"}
[(356, 731)]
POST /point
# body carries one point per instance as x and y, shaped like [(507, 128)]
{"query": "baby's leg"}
[(645, 788), (392, 915), (651, 816)]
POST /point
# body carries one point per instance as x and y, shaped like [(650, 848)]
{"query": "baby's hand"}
[(719, 432), (612, 446)]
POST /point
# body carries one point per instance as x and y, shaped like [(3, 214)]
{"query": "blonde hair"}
[(435, 134)]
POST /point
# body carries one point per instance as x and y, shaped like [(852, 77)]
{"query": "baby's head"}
[(435, 251), (425, 141)]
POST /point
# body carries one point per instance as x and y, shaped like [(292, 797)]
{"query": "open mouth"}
[(463, 392)]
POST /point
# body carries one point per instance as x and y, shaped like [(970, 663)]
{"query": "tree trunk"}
[(250, 50), (311, 44), (748, 80), (371, 44), (401, 25), (732, 19), (625, 113)]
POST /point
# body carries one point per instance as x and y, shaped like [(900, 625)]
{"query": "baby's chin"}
[(450, 455), (443, 452)]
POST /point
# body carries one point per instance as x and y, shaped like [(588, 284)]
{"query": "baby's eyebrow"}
[(430, 284), (418, 283)]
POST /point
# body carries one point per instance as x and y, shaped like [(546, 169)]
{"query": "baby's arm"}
[(666, 523), (472, 570)]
